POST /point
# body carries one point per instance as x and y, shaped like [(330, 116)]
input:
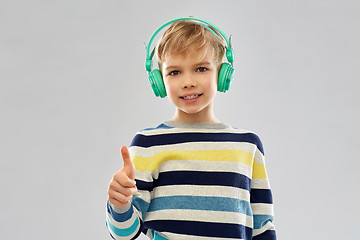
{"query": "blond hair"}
[(188, 37)]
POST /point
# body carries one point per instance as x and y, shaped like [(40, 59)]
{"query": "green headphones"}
[(226, 73)]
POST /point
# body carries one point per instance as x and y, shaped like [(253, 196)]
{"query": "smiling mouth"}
[(191, 96)]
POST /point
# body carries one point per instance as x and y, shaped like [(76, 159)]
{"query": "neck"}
[(202, 116)]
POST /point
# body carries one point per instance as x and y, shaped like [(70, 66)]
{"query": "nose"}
[(189, 82)]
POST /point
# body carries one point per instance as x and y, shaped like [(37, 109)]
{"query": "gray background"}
[(74, 90)]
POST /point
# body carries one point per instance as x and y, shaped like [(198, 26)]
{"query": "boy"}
[(196, 177)]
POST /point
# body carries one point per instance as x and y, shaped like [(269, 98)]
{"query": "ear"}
[(160, 66), (218, 67)]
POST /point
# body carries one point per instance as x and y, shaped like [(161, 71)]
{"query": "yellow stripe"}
[(259, 171), (153, 163)]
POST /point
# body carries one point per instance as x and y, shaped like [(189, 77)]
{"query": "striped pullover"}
[(196, 181)]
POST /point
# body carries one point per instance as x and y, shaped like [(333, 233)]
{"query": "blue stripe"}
[(268, 235), (201, 203), (120, 217), (261, 220), (139, 232), (140, 205), (123, 232), (228, 179), (175, 138), (261, 196), (142, 185), (156, 236), (205, 229), (110, 232), (161, 126)]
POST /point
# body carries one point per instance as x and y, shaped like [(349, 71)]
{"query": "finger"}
[(126, 191), (121, 179), (128, 167), (119, 196), (118, 203)]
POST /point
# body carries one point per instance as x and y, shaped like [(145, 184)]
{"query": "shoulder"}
[(250, 137), (147, 136)]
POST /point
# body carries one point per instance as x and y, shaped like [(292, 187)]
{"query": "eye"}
[(174, 73), (201, 69)]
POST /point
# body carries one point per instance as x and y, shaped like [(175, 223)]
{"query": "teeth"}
[(191, 97)]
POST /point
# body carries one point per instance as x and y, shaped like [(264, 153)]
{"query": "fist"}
[(122, 186)]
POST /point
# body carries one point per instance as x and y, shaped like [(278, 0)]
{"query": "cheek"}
[(170, 89), (212, 85)]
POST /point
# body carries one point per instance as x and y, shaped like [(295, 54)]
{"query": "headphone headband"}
[(229, 50)]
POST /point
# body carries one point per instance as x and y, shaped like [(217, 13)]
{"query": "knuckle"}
[(128, 192), (111, 192), (116, 175), (123, 199), (123, 181), (113, 178), (112, 185)]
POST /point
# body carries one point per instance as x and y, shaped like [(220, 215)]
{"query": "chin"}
[(192, 111)]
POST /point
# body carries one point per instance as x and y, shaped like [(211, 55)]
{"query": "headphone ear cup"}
[(226, 75), (157, 83)]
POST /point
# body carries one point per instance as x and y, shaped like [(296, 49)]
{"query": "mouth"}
[(189, 97)]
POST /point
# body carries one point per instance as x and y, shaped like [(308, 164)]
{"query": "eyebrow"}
[(197, 64), (172, 67), (202, 63)]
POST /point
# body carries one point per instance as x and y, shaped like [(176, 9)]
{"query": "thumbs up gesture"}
[(122, 186)]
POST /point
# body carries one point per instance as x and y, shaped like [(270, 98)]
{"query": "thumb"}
[(128, 167)]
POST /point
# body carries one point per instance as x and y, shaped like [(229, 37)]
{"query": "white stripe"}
[(144, 195), (174, 236), (120, 209), (123, 238), (204, 191), (267, 226), (260, 183), (122, 225), (201, 216), (190, 130), (195, 165), (262, 208), (146, 176), (206, 166), (259, 157), (191, 146), (138, 213)]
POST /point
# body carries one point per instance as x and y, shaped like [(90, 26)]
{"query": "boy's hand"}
[(122, 186)]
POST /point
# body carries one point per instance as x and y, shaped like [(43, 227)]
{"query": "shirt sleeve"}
[(127, 222), (261, 199)]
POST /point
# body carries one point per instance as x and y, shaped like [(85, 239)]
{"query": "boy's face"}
[(191, 85)]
